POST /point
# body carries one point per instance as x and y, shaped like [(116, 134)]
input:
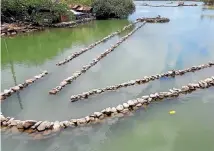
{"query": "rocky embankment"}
[(17, 28), (72, 23)]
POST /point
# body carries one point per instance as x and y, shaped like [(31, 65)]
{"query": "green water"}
[(185, 41)]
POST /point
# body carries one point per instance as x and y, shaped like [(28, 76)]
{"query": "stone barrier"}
[(8, 92), (91, 64), (17, 28), (76, 54), (72, 24), (178, 5), (158, 19), (39, 129), (144, 80)]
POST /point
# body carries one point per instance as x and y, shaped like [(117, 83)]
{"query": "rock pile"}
[(76, 54), (44, 128), (15, 28), (158, 19), (178, 5), (94, 62), (8, 92), (72, 23), (146, 79)]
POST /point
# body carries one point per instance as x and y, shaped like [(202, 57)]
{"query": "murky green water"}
[(188, 39)]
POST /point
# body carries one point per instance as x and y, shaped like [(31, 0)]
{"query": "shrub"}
[(104, 9), (208, 2), (34, 11), (79, 2)]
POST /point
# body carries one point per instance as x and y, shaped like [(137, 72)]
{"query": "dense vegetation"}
[(35, 11), (41, 12), (79, 2), (113, 8), (209, 2)]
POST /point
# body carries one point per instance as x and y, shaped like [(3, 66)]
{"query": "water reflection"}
[(209, 17), (13, 73), (38, 47)]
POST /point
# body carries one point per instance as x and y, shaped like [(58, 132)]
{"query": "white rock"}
[(120, 107), (141, 101), (125, 105), (130, 103), (113, 110), (145, 97), (97, 114), (56, 126), (42, 126), (135, 101), (7, 91)]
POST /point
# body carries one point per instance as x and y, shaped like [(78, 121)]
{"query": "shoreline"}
[(13, 29)]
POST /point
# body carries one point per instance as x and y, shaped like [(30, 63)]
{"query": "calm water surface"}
[(188, 39)]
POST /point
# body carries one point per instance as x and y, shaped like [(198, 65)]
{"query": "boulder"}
[(36, 125), (97, 114), (185, 88), (42, 126), (3, 97), (139, 105), (53, 91), (125, 105), (29, 81), (16, 88), (56, 126), (113, 110), (99, 91), (141, 101), (2, 118), (135, 101), (87, 118), (20, 125), (14, 123), (81, 121), (119, 108), (126, 110), (6, 92), (63, 83), (130, 103), (29, 123), (21, 86), (145, 97)]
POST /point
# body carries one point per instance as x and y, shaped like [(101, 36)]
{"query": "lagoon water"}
[(187, 40)]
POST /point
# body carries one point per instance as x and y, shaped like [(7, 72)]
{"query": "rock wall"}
[(43, 129), (72, 23), (76, 54), (8, 92), (85, 68), (144, 80)]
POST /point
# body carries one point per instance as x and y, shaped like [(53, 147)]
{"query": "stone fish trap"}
[(43, 129), (91, 64), (8, 92), (76, 54), (104, 54), (146, 79)]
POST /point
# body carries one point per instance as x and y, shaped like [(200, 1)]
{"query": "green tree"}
[(104, 9), (209, 2), (34, 11)]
